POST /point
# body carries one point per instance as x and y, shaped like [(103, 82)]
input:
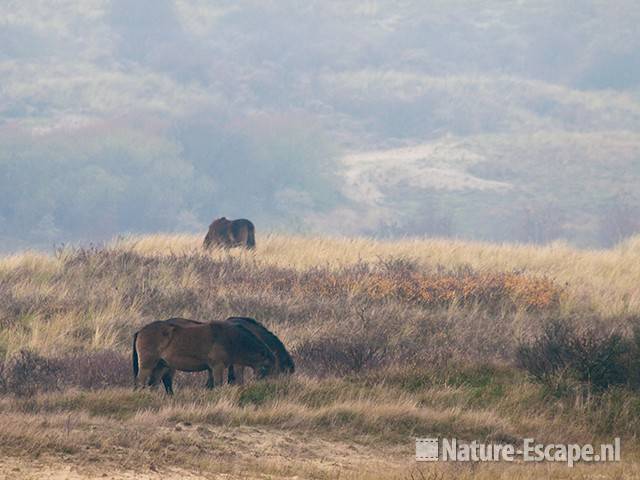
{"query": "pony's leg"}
[(210, 382), (157, 373), (231, 375), (218, 374), (167, 381), (240, 375), (145, 375), (243, 237)]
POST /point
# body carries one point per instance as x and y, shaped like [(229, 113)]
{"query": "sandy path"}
[(237, 452), (51, 468)]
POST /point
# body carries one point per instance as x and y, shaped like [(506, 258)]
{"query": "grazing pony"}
[(162, 347), (284, 363), (230, 233)]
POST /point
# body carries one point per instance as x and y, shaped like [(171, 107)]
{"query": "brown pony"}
[(230, 233), (162, 347), (284, 363)]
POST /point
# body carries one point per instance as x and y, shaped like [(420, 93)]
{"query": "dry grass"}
[(607, 279), (305, 427), (392, 340)]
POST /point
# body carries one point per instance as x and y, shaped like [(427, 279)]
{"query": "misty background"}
[(490, 120)]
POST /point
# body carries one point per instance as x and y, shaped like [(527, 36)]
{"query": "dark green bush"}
[(593, 356), (26, 372)]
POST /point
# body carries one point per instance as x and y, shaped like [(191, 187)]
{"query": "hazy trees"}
[(619, 219), (139, 181)]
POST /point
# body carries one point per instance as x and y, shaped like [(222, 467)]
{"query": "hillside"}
[(530, 187), (496, 121), (392, 340)]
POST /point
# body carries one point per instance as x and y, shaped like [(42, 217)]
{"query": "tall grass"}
[(391, 339), (606, 279)]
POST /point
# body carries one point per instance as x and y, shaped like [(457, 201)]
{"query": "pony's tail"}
[(251, 237), (134, 358)]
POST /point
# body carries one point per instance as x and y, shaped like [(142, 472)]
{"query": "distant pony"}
[(230, 233)]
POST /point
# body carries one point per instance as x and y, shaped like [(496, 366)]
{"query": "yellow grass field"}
[(393, 340), (608, 279)]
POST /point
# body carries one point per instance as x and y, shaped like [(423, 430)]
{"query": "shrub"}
[(549, 353), (257, 393), (3, 384), (633, 355), (355, 347), (600, 359), (340, 355), (593, 356), (94, 370), (402, 281), (25, 373)]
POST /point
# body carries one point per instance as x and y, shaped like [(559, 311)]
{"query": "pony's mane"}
[(269, 337), (179, 320), (250, 342)]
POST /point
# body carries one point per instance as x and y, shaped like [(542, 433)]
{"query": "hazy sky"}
[(472, 119)]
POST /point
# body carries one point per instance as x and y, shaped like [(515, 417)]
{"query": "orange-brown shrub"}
[(437, 289)]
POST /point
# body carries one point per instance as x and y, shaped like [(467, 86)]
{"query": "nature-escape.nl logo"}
[(452, 450)]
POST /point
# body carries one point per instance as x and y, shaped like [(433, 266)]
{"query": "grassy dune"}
[(392, 340), (606, 279)]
